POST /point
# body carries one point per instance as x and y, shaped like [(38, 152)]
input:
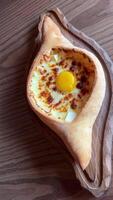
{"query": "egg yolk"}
[(65, 81)]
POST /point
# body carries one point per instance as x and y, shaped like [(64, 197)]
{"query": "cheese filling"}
[(62, 82)]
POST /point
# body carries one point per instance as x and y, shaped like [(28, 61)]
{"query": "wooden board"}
[(30, 166), (97, 176)]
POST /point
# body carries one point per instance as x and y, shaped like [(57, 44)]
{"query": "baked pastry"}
[(65, 88)]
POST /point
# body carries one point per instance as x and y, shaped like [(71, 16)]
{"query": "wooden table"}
[(31, 167)]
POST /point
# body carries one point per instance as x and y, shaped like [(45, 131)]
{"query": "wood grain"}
[(30, 166)]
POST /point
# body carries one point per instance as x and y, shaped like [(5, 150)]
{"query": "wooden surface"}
[(31, 168)]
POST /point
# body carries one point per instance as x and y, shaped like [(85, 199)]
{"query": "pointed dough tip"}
[(50, 26)]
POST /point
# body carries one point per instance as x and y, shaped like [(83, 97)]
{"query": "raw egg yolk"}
[(65, 81)]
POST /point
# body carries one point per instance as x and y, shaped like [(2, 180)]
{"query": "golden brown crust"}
[(76, 135)]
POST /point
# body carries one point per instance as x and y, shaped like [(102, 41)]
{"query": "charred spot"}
[(55, 70), (84, 91), (54, 88), (73, 68), (79, 96), (89, 59), (51, 78), (54, 82), (50, 99), (79, 64), (57, 104), (65, 50), (73, 104), (66, 65), (67, 97), (43, 78), (74, 62), (79, 85), (83, 78), (48, 83), (87, 72), (53, 49), (53, 65), (62, 62), (44, 93), (59, 49)]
